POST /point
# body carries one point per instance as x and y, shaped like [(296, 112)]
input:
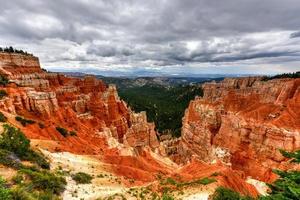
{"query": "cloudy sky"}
[(125, 37)]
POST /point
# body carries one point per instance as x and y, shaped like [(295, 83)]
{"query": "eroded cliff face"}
[(14, 64), (244, 122), (86, 106), (106, 129)]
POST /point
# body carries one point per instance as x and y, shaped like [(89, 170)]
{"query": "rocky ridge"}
[(36, 93), (244, 122), (104, 126)]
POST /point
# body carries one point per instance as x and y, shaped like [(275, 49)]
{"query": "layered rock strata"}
[(87, 102), (244, 122), (101, 124)]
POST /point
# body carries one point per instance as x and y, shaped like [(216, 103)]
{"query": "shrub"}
[(3, 93), (171, 181), (5, 193), (295, 156), (9, 159), (20, 193), (82, 178), (24, 121), (45, 195), (3, 80), (205, 181), (14, 140), (17, 179), (46, 181), (167, 197), (41, 125), (37, 158), (73, 133), (215, 174), (2, 117), (62, 131), (26, 193), (223, 193)]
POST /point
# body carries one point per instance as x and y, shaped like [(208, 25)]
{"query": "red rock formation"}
[(17, 64), (244, 122), (105, 126), (140, 133), (86, 105)]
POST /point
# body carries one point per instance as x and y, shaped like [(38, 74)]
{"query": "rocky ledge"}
[(244, 122), (84, 105)]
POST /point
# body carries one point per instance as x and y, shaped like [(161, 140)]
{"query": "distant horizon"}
[(157, 74), (156, 37)]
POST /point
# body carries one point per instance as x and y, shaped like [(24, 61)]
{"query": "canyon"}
[(244, 122), (234, 131)]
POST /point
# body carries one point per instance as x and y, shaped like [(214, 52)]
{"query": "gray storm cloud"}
[(169, 36)]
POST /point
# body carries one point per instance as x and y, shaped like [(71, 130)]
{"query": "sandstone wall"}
[(71, 101), (248, 118), (17, 64), (141, 133)]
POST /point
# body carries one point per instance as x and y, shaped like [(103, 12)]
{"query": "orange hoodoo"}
[(244, 122)]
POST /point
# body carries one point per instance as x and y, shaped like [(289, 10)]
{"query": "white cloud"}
[(171, 36)]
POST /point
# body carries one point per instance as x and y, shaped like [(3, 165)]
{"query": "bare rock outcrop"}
[(86, 104), (248, 120), (141, 133), (14, 65)]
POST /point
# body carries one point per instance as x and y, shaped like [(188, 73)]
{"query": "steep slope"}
[(84, 105), (244, 122), (83, 118)]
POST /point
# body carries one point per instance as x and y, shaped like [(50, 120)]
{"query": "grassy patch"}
[(167, 197), (223, 193), (37, 158), (82, 178), (5, 193), (203, 181), (115, 196), (9, 159), (44, 180)]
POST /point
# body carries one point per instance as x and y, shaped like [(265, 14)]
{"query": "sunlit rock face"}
[(104, 127), (248, 119), (16, 65), (140, 133), (86, 103)]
